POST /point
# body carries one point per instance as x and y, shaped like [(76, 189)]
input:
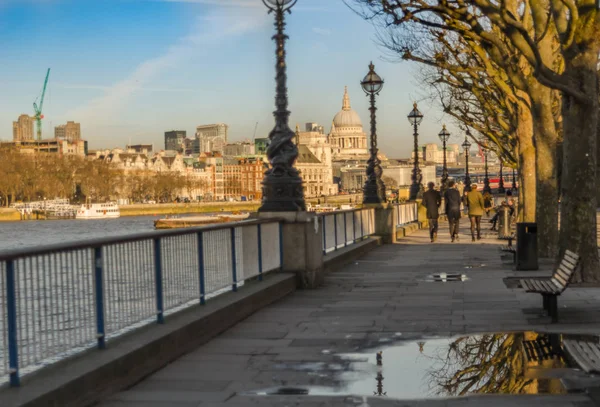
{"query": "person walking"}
[(432, 201), (476, 208), (488, 202), (452, 202)]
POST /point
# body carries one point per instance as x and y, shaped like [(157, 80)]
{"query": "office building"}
[(175, 140), (70, 132), (23, 128), (212, 138)]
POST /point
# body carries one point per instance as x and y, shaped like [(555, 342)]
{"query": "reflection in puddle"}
[(446, 277), (507, 363)]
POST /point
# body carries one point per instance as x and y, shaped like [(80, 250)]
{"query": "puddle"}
[(500, 363), (446, 277)]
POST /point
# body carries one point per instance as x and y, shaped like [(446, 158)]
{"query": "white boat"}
[(107, 210)]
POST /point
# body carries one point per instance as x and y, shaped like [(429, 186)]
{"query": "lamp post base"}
[(374, 193), (282, 194), (416, 192)]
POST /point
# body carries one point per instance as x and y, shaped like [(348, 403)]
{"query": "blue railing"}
[(59, 300), (343, 228), (406, 213)]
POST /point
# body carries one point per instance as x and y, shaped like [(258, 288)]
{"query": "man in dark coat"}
[(432, 201), (452, 201)]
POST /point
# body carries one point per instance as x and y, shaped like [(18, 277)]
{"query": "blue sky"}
[(128, 70)]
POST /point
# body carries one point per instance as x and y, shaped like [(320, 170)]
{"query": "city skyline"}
[(191, 73)]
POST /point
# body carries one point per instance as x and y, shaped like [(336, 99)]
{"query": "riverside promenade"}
[(383, 301)]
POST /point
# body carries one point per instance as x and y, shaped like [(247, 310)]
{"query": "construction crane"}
[(255, 128), (38, 110)]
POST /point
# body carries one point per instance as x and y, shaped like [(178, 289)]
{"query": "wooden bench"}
[(551, 287), (584, 352), (510, 249), (545, 347)]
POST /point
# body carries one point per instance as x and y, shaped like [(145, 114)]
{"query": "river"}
[(16, 235)]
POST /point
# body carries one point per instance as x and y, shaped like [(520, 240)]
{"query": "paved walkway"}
[(382, 299)]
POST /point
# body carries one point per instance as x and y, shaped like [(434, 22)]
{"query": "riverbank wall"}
[(173, 209), (9, 215)]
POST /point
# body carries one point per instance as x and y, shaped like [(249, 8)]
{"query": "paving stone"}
[(379, 300)]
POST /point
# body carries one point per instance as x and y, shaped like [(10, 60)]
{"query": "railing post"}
[(345, 230), (353, 227), (335, 229), (281, 245), (362, 233), (11, 310), (201, 275), (99, 297), (160, 318), (260, 261), (233, 265), (324, 235)]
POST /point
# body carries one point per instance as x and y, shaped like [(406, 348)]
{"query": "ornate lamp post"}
[(466, 145), (374, 189), (486, 179), (514, 183), (415, 118), (444, 136), (282, 184), (501, 188)]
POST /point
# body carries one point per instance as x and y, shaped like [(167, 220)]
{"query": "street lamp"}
[(501, 188), (466, 145), (514, 183), (282, 184), (415, 118), (374, 189), (444, 136), (486, 179)]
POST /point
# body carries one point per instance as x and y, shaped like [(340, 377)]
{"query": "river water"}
[(16, 235)]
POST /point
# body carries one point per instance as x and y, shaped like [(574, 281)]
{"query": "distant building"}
[(261, 145), (212, 137), (401, 172), (317, 175), (175, 140), (52, 146), (241, 148), (23, 128), (433, 153), (70, 131), (214, 163), (347, 138), (140, 148), (243, 178)]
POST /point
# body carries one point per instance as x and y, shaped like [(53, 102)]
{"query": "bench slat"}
[(572, 347), (561, 278), (571, 262)]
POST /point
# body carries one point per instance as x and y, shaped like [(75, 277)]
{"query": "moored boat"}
[(193, 221), (109, 210)]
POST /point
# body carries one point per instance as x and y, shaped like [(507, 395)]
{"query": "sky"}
[(129, 70)]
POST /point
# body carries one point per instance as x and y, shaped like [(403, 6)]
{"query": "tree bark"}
[(578, 186), (527, 200), (545, 140)]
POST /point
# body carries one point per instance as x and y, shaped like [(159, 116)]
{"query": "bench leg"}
[(553, 307), (545, 302)]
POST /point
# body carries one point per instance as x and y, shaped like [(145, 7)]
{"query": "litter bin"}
[(527, 258), (503, 222)]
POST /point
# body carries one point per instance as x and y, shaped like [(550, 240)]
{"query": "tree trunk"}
[(578, 186), (545, 141), (527, 201)]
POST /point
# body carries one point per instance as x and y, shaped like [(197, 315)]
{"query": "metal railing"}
[(343, 228), (406, 213), (59, 300)]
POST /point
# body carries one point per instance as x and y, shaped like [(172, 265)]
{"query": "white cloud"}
[(321, 31), (210, 29)]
